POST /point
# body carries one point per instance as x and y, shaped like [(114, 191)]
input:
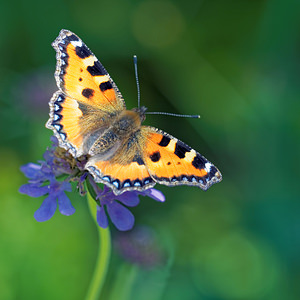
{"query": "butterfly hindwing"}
[(76, 124), (125, 170), (81, 76), (171, 162), (122, 177)]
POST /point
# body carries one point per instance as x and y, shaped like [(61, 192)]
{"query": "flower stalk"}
[(103, 258)]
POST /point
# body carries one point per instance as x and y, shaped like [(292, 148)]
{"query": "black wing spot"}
[(105, 86), (164, 141), (155, 157), (213, 171), (198, 162), (73, 37), (138, 160), (83, 51), (181, 149), (168, 163), (87, 93), (96, 69), (80, 79), (147, 180)]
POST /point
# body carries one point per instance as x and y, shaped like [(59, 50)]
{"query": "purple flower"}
[(114, 206), (52, 177), (43, 181), (55, 190)]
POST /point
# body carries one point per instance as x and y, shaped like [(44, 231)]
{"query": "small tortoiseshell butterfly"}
[(89, 117)]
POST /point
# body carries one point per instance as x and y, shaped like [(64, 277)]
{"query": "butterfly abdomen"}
[(104, 143)]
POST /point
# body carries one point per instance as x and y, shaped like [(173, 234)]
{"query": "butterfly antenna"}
[(137, 79), (173, 115), (139, 96)]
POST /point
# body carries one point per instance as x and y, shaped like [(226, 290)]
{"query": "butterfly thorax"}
[(128, 122), (123, 128)]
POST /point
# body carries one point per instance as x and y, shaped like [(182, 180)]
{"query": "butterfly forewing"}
[(87, 101), (82, 77), (171, 162)]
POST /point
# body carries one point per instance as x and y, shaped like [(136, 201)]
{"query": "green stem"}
[(101, 267)]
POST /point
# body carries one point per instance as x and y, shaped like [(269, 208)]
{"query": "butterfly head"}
[(141, 112), (129, 121)]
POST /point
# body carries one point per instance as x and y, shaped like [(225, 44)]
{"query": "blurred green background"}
[(234, 62)]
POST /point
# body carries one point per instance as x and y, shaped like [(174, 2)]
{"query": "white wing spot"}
[(207, 167), (63, 136), (116, 184), (76, 43), (57, 127)]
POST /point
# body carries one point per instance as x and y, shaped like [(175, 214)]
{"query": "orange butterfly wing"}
[(154, 156), (171, 162), (77, 125), (88, 100), (81, 76), (120, 176)]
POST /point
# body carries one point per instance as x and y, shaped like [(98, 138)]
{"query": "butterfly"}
[(89, 117)]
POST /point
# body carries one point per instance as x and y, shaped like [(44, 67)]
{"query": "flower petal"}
[(154, 194), (122, 218), (33, 190), (128, 198), (30, 170), (66, 186), (46, 210), (54, 140), (64, 204), (101, 217), (49, 157)]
